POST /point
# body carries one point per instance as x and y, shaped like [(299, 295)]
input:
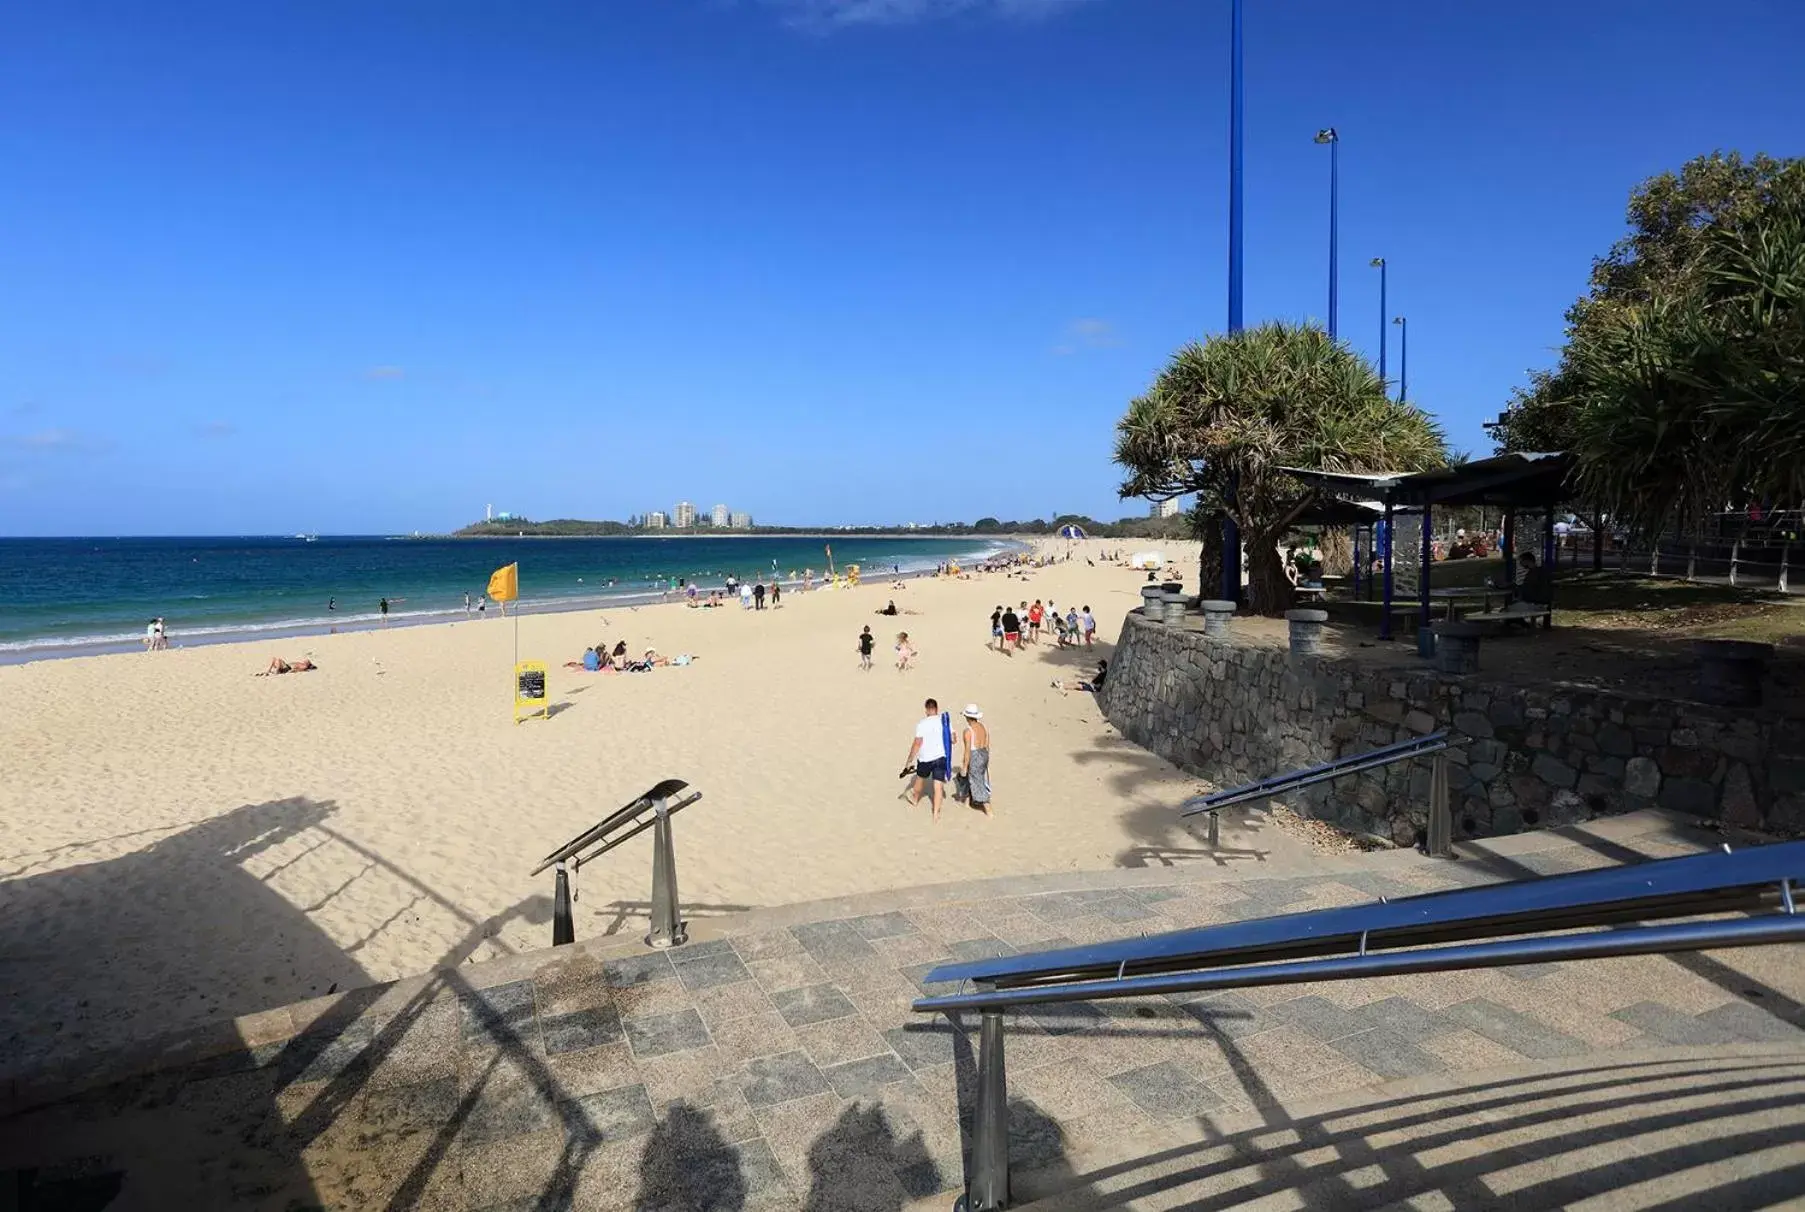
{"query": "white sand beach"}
[(180, 839)]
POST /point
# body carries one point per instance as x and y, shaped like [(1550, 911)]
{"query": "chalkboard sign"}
[(529, 691)]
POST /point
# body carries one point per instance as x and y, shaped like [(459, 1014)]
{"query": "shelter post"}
[(1425, 634), (1385, 546)]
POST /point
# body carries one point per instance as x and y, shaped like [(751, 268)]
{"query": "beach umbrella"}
[(1072, 532)]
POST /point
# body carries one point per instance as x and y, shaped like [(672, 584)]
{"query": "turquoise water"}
[(67, 596)]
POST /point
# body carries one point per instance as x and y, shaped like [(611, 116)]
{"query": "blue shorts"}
[(936, 769)]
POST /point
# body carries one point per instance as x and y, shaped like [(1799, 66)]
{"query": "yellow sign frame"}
[(525, 708)]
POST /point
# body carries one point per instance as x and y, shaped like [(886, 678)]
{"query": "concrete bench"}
[(1543, 613)]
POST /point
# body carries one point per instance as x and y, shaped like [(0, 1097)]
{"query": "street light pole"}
[(1328, 135), (1234, 168), (1231, 533), (1384, 333), (1403, 358)]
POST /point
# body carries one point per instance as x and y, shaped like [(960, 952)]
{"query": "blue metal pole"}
[(1384, 332), (1403, 358), (1334, 229), (1231, 533), (1234, 168), (1385, 546)]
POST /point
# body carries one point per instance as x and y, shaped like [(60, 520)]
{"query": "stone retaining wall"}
[(1520, 758)]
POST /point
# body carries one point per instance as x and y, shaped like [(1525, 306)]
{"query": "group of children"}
[(1008, 627), (905, 651)]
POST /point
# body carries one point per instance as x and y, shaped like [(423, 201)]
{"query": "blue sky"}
[(368, 265)]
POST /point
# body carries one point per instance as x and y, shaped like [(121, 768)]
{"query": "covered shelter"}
[(1536, 482)]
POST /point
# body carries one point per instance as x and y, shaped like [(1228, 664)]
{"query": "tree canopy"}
[(1224, 416), (1681, 384)]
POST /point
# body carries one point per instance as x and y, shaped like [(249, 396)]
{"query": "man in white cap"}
[(975, 760)]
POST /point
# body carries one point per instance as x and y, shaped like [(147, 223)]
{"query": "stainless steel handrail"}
[(1309, 776), (667, 928), (1438, 937)]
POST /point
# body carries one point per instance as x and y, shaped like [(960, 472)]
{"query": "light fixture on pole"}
[(1384, 335), (1328, 135), (1403, 358)]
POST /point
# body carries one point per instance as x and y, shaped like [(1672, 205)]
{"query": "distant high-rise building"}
[(655, 520), (740, 521), (685, 516), (720, 518), (1164, 509)]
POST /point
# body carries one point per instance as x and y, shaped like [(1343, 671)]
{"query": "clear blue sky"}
[(363, 265)]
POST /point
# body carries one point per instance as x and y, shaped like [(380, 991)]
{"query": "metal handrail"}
[(1300, 947), (1716, 882), (1261, 789), (667, 928), (611, 822)]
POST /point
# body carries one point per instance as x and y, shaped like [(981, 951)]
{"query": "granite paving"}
[(778, 1065)]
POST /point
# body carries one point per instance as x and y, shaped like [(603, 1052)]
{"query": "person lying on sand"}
[(278, 665), (1093, 684)]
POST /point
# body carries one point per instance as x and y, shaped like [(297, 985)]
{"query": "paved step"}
[(1673, 1128), (775, 1057)]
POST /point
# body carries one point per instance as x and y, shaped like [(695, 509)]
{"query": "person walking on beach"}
[(1012, 630), (466, 603), (905, 652), (1089, 623), (975, 759), (776, 592), (383, 608), (1036, 616), (866, 643), (929, 755), (996, 628), (758, 596), (745, 596)]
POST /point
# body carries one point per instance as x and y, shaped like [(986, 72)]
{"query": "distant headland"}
[(1172, 527)]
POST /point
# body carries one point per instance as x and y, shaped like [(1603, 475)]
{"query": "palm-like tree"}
[(1225, 416), (1695, 399)]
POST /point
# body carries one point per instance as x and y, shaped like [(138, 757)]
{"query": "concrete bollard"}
[(1175, 602), (1457, 647), (1731, 671), (1216, 615), (1306, 630), (1153, 605)]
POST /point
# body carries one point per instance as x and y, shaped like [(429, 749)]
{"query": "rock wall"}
[(1234, 712)]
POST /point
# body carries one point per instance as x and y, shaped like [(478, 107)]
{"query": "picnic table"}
[(1454, 595)]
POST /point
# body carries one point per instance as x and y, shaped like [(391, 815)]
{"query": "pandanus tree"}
[(1226, 416), (1681, 386)]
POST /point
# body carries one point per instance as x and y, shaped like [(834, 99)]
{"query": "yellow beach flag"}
[(504, 583)]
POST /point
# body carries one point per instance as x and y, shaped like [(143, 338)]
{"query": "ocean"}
[(65, 597)]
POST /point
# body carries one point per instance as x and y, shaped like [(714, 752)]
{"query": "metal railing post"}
[(668, 929), (1215, 829), (1785, 550), (987, 1189), (1735, 552), (1692, 562), (564, 925), (1441, 821)]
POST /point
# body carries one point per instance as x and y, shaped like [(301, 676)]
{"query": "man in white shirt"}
[(928, 756)]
